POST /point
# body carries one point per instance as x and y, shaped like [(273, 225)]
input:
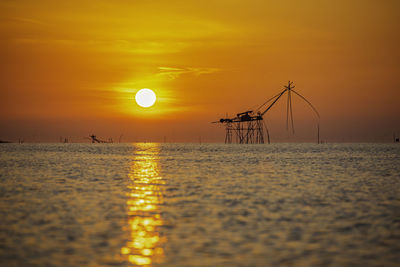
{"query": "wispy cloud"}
[(26, 20), (174, 72)]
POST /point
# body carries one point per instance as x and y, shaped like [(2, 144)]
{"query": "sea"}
[(161, 204)]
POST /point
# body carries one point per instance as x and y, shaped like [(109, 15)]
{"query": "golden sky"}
[(71, 68)]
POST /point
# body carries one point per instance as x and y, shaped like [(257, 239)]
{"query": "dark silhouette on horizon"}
[(96, 140), (249, 125)]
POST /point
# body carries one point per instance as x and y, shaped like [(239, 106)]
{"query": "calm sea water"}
[(199, 205)]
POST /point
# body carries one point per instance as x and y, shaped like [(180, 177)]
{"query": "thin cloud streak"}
[(174, 72)]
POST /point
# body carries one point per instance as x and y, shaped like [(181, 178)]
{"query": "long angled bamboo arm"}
[(266, 102), (270, 106)]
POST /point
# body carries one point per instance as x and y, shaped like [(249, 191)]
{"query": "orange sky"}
[(73, 68)]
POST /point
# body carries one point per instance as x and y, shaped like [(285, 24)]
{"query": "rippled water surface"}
[(199, 205)]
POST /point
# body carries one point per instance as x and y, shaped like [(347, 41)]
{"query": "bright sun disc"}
[(145, 98)]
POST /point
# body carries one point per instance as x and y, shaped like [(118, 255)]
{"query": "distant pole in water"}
[(318, 135)]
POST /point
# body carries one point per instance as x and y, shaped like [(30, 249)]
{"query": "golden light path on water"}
[(144, 199)]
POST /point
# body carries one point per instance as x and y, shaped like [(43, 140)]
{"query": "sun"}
[(145, 97)]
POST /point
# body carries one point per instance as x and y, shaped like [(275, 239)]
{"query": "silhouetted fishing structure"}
[(248, 126), (96, 140)]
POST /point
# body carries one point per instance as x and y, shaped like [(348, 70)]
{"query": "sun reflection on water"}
[(144, 199)]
